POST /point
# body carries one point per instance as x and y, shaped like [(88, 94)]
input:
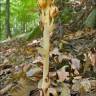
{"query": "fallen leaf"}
[(33, 72), (53, 91), (62, 74), (85, 84), (65, 90)]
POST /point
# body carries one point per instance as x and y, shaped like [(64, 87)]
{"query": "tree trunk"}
[(8, 32), (23, 27), (0, 20)]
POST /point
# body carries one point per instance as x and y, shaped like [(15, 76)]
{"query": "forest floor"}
[(21, 65)]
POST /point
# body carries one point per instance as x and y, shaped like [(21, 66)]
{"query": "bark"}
[(0, 18), (8, 32), (23, 27)]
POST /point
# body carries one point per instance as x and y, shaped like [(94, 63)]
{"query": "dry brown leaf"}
[(55, 51), (53, 91), (62, 74), (65, 90), (34, 43), (85, 84), (52, 74), (76, 72), (78, 77), (4, 90), (23, 87), (75, 63), (38, 59), (92, 57), (26, 67), (33, 72)]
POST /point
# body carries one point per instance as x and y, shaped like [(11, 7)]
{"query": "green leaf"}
[(91, 19)]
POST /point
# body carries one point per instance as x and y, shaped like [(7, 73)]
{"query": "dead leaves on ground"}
[(34, 49)]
